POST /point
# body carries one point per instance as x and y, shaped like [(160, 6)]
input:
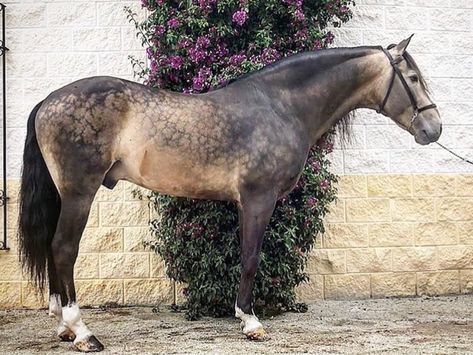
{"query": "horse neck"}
[(322, 87)]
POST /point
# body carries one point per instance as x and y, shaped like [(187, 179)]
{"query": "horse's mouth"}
[(423, 138)]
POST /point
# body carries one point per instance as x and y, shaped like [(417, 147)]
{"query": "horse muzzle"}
[(427, 134)]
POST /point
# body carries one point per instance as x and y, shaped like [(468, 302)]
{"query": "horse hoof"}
[(257, 335), (67, 335), (89, 345)]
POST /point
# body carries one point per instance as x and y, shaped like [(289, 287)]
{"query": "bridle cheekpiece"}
[(396, 71)]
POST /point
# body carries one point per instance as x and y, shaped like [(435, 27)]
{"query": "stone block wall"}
[(388, 235), (403, 225), (113, 266), (396, 235)]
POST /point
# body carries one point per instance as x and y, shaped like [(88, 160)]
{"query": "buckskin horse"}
[(246, 142)]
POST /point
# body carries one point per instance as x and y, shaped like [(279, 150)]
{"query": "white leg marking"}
[(73, 321), (249, 322), (55, 310)]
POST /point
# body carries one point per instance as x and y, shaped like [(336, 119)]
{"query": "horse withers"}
[(246, 142)]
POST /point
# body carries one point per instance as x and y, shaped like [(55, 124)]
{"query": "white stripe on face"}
[(73, 321)]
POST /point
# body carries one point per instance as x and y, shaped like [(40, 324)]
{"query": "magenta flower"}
[(184, 43), (301, 35), (222, 50), (318, 44), (206, 4), (240, 17), (299, 15), (329, 147), (270, 55), (197, 83), (173, 23), (330, 37), (202, 42), (159, 30), (237, 59), (324, 184), (196, 55), (176, 61), (296, 3), (154, 66), (312, 202), (315, 165)]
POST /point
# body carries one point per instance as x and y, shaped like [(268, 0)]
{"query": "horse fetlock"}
[(88, 344), (72, 320)]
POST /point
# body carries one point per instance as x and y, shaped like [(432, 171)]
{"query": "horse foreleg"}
[(254, 214), (65, 247)]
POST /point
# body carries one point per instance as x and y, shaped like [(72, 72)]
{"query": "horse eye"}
[(414, 78)]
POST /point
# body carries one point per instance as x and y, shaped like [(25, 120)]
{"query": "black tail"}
[(40, 206)]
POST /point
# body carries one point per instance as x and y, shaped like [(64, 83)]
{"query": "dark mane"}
[(344, 129), (343, 53)]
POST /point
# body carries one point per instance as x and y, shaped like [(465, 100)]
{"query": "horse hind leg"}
[(55, 307), (75, 209)]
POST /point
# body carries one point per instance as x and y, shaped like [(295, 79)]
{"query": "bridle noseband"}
[(396, 71)]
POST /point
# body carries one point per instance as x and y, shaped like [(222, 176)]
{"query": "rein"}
[(396, 71)]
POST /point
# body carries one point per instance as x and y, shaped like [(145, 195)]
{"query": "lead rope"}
[(455, 154)]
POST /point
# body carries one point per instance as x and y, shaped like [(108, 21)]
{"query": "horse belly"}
[(179, 175)]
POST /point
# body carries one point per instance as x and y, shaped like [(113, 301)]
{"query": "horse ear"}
[(400, 48)]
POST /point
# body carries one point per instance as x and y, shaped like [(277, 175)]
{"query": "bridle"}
[(396, 71), (417, 109)]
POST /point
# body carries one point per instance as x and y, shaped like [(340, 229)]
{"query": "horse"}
[(246, 142)]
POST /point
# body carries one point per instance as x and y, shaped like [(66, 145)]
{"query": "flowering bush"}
[(195, 46)]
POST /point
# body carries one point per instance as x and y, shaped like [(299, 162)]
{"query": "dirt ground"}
[(409, 326)]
